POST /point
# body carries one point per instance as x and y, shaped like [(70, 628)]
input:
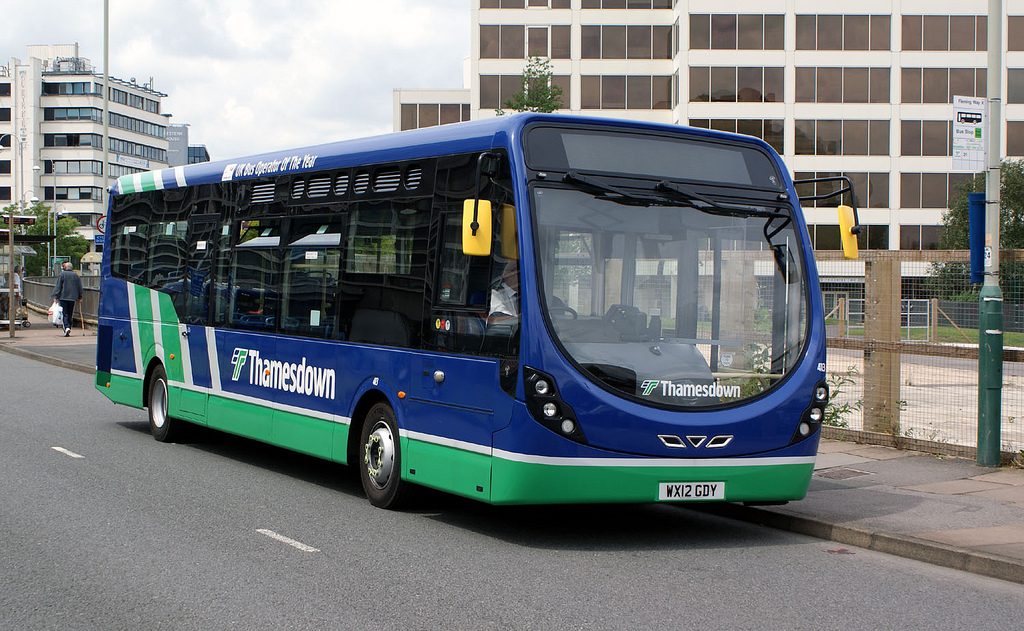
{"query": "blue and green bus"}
[(526, 309)]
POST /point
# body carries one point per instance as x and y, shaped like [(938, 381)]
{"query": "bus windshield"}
[(671, 299)]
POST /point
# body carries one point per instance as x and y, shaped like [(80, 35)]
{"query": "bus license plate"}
[(691, 491)]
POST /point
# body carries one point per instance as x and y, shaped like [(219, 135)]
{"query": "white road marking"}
[(67, 452), (293, 543)]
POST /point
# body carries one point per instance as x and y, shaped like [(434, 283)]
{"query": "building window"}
[(930, 190), (1014, 35), (842, 137), (73, 167), (417, 115), (918, 237), (730, 85), (871, 237), (1015, 138), (939, 85), (925, 138), (610, 92), (945, 32), (842, 32), (871, 189), (627, 4), (1015, 85), (496, 90), (842, 85), (506, 41), (626, 42), (768, 130), (731, 32)]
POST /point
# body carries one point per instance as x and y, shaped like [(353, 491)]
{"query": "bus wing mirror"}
[(509, 245), (476, 227), (847, 230)]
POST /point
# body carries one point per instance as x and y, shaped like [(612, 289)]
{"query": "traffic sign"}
[(101, 223), (969, 133)]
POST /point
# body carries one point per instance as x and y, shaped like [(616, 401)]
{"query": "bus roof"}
[(413, 144)]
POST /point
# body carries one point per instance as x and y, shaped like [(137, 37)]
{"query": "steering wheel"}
[(616, 313), (563, 309)]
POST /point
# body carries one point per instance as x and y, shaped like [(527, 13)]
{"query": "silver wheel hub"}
[(158, 403), (379, 455)]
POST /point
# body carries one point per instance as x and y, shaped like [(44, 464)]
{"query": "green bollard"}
[(990, 374)]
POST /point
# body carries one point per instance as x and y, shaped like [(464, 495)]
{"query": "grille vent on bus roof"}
[(361, 183), (387, 181), (319, 187), (262, 193), (341, 185), (413, 177), (297, 188)]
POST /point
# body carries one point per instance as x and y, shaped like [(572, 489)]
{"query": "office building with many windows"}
[(864, 90), (51, 132)]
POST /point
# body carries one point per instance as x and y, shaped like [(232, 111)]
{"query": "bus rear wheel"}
[(380, 459), (163, 428)]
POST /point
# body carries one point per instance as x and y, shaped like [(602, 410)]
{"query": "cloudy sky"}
[(259, 75)]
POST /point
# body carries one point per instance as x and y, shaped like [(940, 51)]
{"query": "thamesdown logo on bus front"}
[(301, 378), (669, 389)]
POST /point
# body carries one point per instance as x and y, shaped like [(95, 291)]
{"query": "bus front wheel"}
[(161, 425), (380, 459)]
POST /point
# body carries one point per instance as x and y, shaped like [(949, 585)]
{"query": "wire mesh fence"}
[(903, 347)]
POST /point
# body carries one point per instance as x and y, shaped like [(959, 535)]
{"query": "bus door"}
[(197, 288), (464, 392)]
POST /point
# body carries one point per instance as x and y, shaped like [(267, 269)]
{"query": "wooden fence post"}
[(882, 292)]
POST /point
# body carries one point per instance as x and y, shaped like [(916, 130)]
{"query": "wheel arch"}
[(154, 363), (355, 428)]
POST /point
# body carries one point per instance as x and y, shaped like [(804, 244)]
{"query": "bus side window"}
[(254, 275), (383, 273)]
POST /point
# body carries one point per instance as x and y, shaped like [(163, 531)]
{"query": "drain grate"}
[(841, 473)]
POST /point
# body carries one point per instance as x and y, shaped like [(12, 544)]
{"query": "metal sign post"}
[(990, 315)]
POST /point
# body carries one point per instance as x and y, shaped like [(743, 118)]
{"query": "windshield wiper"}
[(706, 204), (609, 192)]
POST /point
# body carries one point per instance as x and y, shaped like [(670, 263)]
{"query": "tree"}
[(538, 93), (950, 280), (69, 243), (1011, 209)]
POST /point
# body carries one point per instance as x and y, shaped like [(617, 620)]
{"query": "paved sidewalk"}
[(936, 509), (45, 342)]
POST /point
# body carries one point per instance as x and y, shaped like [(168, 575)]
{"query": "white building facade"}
[(51, 126), (866, 93)]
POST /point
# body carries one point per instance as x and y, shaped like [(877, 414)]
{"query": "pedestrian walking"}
[(68, 291)]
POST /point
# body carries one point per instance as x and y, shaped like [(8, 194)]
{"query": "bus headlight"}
[(821, 393), (816, 415), (547, 407)]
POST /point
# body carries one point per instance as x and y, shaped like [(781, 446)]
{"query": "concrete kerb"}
[(905, 546), (46, 359)]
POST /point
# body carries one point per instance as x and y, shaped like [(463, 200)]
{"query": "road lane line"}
[(293, 543), (67, 452)]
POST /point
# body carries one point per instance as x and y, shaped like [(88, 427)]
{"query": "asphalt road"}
[(210, 534)]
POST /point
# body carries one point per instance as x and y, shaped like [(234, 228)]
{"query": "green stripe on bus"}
[(520, 482), (149, 181), (123, 390), (144, 317), (168, 321), (125, 184)]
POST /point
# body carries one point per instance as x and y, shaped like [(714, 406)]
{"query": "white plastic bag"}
[(56, 314)]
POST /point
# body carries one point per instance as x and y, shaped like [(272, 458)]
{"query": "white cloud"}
[(256, 75)]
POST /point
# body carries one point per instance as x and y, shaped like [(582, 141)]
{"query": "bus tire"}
[(380, 459), (163, 428)]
